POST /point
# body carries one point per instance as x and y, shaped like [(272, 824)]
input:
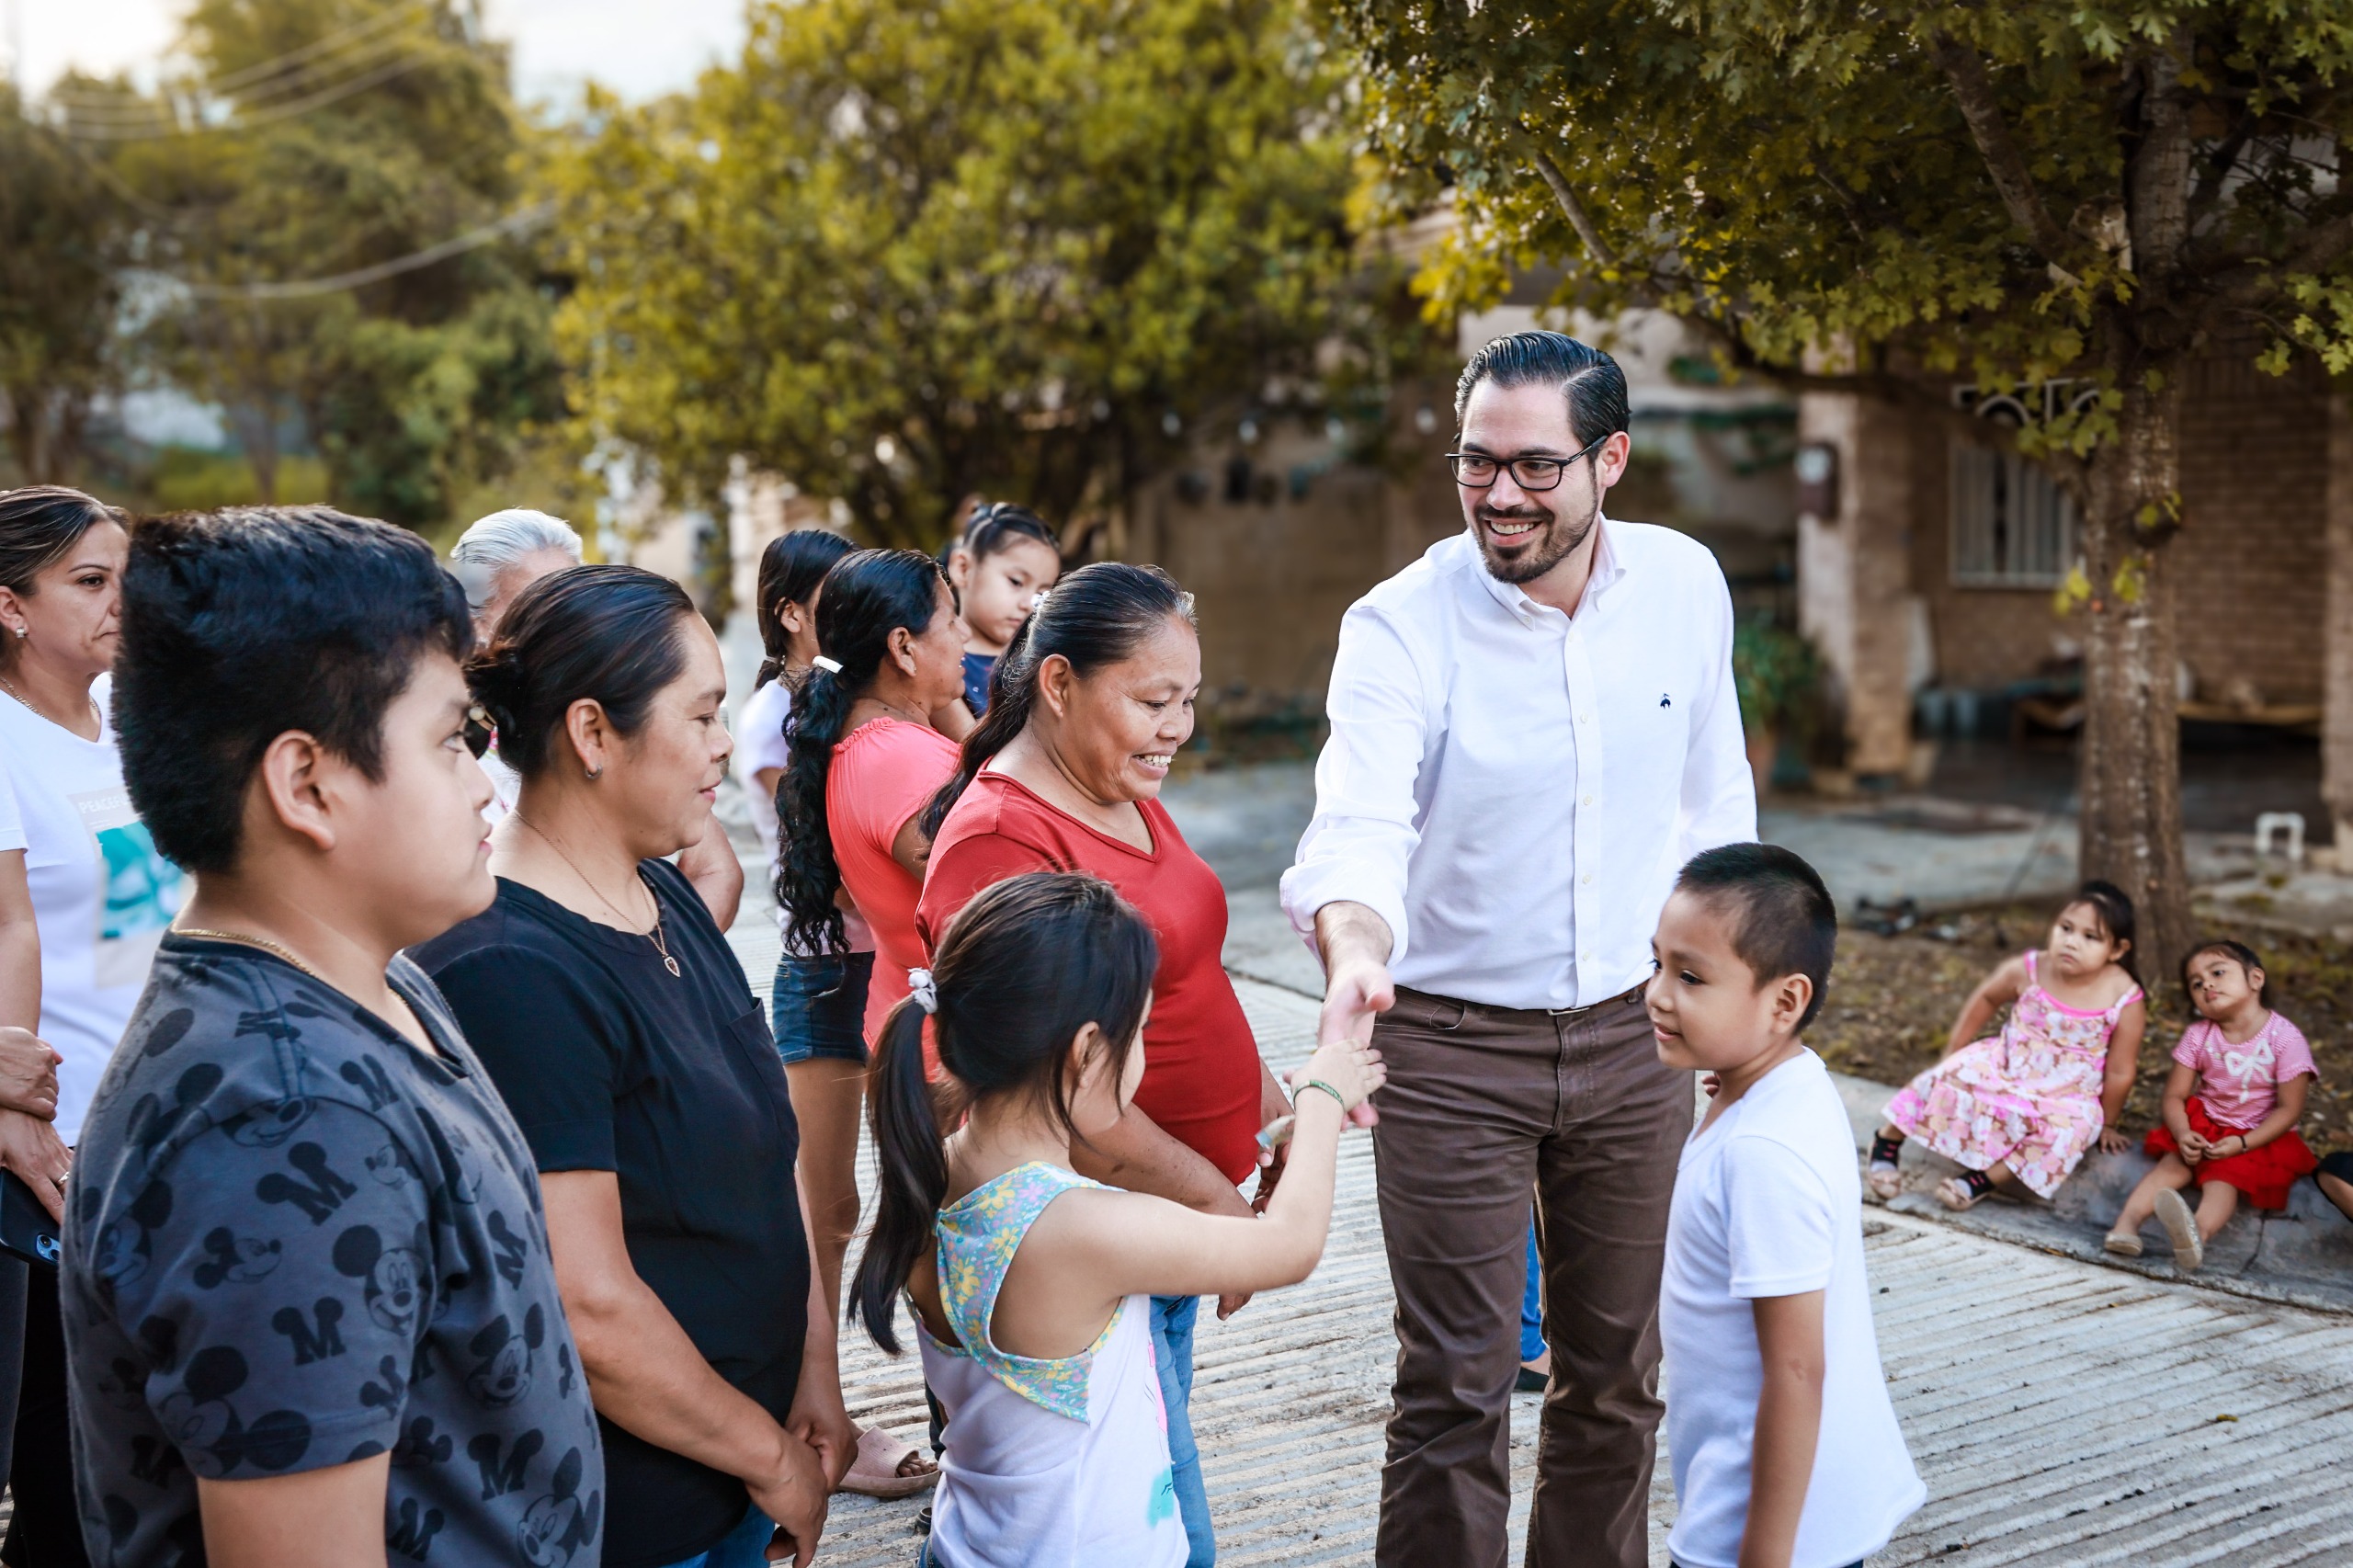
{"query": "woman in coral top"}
[(862, 761), (1093, 700)]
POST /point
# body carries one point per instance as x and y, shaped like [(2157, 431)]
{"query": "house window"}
[(2012, 526)]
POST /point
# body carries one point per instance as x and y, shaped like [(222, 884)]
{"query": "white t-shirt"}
[(1768, 1202), (759, 744), (101, 893)]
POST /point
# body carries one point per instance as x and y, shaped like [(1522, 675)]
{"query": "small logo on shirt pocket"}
[(1665, 700)]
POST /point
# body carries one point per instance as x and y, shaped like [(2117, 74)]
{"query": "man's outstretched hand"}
[(1356, 944)]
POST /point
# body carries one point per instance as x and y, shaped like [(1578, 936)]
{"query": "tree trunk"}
[(2131, 756)]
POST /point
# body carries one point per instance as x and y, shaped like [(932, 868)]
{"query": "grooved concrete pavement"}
[(2060, 1413)]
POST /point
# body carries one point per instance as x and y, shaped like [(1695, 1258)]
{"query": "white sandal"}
[(2188, 1246)]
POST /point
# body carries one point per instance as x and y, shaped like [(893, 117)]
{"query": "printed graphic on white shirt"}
[(142, 889)]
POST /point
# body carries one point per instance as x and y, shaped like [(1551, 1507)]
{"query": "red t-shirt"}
[(1200, 1070), (883, 773)]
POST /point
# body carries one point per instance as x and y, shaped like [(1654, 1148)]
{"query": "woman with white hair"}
[(496, 559)]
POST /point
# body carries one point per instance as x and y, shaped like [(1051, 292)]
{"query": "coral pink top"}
[(1201, 1064), (883, 773), (2240, 1083)]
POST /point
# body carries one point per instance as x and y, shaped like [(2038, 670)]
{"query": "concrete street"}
[(2063, 1411)]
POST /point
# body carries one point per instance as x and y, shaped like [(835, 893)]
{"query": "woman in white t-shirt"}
[(817, 1005), (100, 897)]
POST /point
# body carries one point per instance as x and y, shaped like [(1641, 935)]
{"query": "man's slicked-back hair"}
[(1590, 380), (1783, 920), (239, 625)]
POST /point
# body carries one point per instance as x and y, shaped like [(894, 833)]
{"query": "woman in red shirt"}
[(1093, 700), (863, 761)]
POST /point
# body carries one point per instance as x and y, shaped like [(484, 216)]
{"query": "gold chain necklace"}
[(262, 942), (660, 941), (36, 709)]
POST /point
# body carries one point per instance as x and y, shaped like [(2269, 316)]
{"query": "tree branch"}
[(1974, 91), (1579, 219)]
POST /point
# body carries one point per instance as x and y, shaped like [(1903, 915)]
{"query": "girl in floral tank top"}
[(1031, 1286), (2027, 1104)]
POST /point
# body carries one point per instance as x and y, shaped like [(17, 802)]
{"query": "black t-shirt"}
[(611, 1062), (297, 1240)]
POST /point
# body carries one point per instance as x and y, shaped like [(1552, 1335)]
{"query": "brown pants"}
[(1484, 1107)]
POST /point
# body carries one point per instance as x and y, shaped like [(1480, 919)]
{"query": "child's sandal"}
[(1885, 1180), (2121, 1244), (1964, 1192), (2181, 1225)]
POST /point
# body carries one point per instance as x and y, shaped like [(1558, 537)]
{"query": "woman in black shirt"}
[(618, 1027)]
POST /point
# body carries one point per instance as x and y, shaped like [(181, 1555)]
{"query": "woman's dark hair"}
[(37, 525), (2229, 947), (790, 568), (866, 596), (238, 625), (2115, 911), (608, 634), (1096, 616), (1020, 971)]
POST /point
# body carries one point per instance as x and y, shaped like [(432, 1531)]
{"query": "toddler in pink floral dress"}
[(2027, 1104)]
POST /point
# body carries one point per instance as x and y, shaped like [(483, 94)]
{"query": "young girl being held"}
[(1007, 559), (1030, 1285), (2027, 1104), (2240, 1077)]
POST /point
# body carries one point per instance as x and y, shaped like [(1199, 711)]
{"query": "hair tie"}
[(826, 665), (920, 987)]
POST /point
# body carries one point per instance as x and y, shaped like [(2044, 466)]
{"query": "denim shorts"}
[(818, 1006)]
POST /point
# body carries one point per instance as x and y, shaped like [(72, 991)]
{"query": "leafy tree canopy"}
[(1916, 193), (313, 140), (908, 250), (62, 244)]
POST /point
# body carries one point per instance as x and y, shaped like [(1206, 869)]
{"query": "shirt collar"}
[(1606, 570)]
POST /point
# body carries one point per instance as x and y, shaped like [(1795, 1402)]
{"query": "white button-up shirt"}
[(1512, 789)]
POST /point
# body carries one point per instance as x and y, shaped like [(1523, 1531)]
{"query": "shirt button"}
[(1584, 718), (1587, 878), (1588, 801)]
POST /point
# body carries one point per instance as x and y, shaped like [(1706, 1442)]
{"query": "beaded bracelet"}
[(1320, 1084)]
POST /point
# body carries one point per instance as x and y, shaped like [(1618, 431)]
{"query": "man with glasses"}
[(1532, 728)]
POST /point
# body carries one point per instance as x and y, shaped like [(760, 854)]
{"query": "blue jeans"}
[(746, 1546), (817, 1006), (1531, 1304), (1172, 1353)]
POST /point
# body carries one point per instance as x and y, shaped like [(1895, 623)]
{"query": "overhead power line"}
[(228, 83), (473, 239), (158, 128)]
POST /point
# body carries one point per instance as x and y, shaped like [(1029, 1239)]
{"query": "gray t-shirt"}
[(296, 1240)]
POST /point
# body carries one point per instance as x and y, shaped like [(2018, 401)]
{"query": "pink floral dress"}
[(2029, 1096)]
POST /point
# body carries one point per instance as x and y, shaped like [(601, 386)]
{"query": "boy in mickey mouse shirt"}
[(311, 1315)]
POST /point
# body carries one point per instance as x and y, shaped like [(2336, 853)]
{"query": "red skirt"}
[(2264, 1174)]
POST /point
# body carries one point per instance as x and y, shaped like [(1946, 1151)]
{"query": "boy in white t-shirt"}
[(1785, 1446)]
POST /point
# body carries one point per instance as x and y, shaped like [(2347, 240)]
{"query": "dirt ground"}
[(1892, 1000)]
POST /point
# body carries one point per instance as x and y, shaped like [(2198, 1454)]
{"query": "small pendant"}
[(669, 963)]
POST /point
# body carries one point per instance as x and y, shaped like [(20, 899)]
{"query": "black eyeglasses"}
[(1477, 470)]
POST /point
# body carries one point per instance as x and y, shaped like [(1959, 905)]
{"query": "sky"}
[(642, 48)]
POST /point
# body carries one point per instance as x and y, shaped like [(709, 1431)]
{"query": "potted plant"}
[(1777, 676)]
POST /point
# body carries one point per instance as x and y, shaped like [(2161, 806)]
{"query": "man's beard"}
[(1552, 543)]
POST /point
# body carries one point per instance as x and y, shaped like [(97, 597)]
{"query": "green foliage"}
[(908, 250), (412, 387), (1777, 676), (1805, 178), (185, 479), (61, 241)]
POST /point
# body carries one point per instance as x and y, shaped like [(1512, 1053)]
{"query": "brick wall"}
[(2254, 560)]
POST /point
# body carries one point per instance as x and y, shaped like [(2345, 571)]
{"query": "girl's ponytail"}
[(866, 597), (913, 1165), (1096, 616)]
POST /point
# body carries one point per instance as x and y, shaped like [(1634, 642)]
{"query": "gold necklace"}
[(36, 709), (262, 942), (661, 943)]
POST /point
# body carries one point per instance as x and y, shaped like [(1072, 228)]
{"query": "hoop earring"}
[(594, 773)]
